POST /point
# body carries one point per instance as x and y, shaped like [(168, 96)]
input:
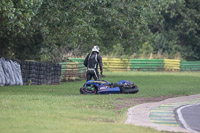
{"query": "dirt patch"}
[(98, 119), (127, 102)]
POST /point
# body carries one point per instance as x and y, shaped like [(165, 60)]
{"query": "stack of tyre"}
[(37, 73), (10, 72)]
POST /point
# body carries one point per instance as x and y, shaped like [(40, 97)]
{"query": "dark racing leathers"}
[(91, 62)]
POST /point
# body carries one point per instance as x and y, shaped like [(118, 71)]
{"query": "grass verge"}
[(61, 108)]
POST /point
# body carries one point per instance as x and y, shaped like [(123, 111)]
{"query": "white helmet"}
[(95, 48)]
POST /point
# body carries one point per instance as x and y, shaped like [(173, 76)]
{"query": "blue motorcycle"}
[(105, 87)]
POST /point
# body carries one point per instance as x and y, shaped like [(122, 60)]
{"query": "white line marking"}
[(180, 116)]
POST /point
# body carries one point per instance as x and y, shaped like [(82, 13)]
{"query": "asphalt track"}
[(189, 117), (167, 115)]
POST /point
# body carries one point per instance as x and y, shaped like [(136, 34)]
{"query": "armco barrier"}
[(71, 71), (190, 66), (147, 64), (171, 65), (80, 63), (109, 64), (76, 70), (115, 64)]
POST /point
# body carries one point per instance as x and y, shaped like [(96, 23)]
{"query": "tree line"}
[(46, 30)]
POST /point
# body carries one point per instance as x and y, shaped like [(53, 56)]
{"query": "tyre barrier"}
[(10, 72), (37, 73)]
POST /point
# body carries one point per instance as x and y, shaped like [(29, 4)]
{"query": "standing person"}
[(92, 61)]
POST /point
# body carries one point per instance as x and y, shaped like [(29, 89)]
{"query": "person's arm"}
[(100, 64), (86, 61)]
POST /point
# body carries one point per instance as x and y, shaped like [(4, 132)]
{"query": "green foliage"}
[(18, 35), (28, 27), (146, 50), (178, 24), (73, 24), (117, 50)]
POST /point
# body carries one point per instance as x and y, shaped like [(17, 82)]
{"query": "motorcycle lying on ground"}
[(106, 87)]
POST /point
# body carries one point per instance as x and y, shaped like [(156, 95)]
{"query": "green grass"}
[(61, 108)]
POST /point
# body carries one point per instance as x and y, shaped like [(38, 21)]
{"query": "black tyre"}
[(128, 90), (42, 68), (88, 90)]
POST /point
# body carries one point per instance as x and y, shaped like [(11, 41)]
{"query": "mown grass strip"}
[(61, 108)]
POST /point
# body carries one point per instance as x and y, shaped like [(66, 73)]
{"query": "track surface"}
[(189, 117), (162, 115)]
